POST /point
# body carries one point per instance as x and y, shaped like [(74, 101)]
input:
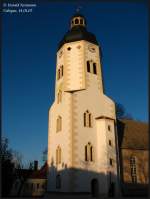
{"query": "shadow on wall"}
[(129, 189), (68, 180), (120, 127)]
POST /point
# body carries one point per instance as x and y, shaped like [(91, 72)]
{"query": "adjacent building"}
[(30, 182), (133, 156)]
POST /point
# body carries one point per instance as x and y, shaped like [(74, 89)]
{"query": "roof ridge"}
[(133, 120)]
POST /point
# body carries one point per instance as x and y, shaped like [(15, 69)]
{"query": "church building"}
[(82, 133), (83, 148)]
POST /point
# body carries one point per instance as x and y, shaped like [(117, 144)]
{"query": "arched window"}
[(88, 66), (59, 124), (109, 128), (133, 169), (58, 182), (76, 21), (84, 119), (89, 152), (89, 69), (62, 72), (81, 21), (86, 153), (94, 68), (111, 161), (59, 96), (58, 155), (58, 74), (87, 117), (110, 143), (90, 119)]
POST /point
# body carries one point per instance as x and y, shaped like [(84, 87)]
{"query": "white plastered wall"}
[(81, 91)]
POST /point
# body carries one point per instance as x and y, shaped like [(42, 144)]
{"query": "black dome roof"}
[(78, 32), (77, 15)]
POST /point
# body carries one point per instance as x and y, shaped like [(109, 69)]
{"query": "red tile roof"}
[(40, 174)]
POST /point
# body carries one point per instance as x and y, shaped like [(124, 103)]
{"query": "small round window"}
[(68, 48)]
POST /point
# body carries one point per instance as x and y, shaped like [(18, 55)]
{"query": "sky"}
[(29, 46)]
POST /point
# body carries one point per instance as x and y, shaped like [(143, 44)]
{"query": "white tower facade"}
[(81, 129)]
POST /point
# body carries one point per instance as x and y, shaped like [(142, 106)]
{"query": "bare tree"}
[(17, 159), (7, 166), (121, 112), (44, 155)]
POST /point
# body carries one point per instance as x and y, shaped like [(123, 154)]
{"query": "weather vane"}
[(78, 8)]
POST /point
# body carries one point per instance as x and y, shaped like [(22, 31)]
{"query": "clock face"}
[(79, 47), (91, 48)]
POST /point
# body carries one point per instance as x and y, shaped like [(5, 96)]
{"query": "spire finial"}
[(78, 9)]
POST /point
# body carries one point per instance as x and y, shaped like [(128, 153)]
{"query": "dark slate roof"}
[(36, 174), (78, 15), (132, 134)]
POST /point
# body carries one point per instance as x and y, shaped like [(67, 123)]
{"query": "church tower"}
[(81, 126)]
